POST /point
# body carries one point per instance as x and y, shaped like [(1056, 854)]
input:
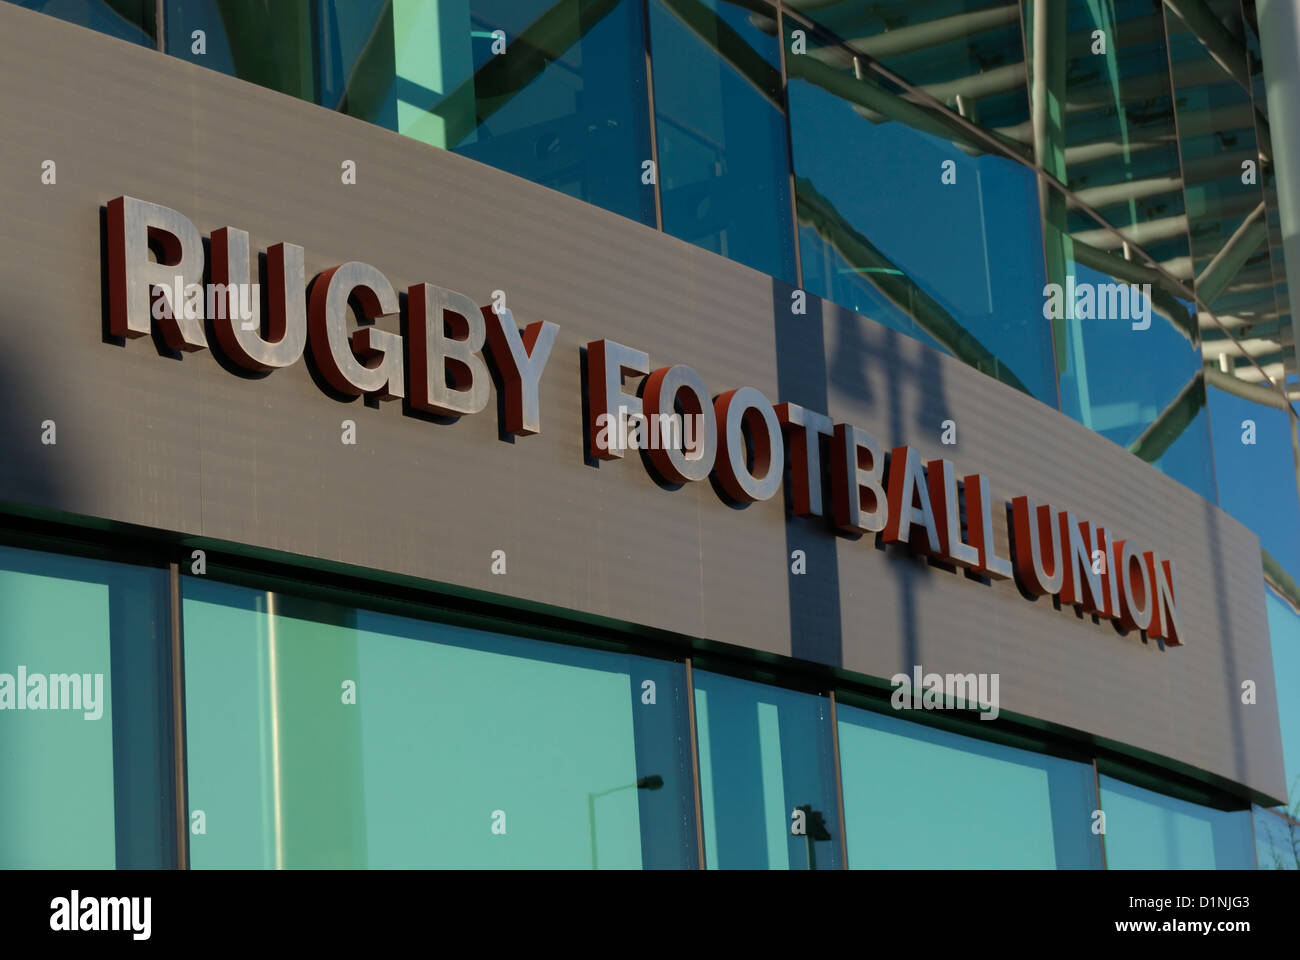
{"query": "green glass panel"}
[(82, 719), (321, 735), (767, 776), (1151, 831), (919, 797)]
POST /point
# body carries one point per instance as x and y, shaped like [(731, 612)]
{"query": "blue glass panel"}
[(912, 223), (131, 20), (723, 164), (1277, 841), (1257, 480), (551, 92)]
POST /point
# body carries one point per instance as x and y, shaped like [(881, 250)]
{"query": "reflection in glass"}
[(905, 219), (720, 123), (325, 736), (1272, 328), (84, 786), (1103, 119), (131, 20), (1151, 831), (916, 797), (1127, 342), (767, 776), (1277, 841), (967, 54), (553, 92), (1227, 213)]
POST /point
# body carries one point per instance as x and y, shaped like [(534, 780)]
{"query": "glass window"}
[(84, 676), (551, 92), (1128, 341), (1151, 831), (1107, 121), (1257, 481), (1284, 631), (131, 20), (724, 169), (1277, 841), (908, 220), (968, 54), (325, 736), (767, 776), (918, 797)]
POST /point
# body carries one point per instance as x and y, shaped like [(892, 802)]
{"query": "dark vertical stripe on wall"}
[(801, 379)]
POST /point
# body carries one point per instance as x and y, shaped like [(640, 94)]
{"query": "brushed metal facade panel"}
[(191, 446)]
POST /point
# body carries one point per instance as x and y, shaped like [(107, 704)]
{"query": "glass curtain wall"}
[(551, 92), (1013, 809), (767, 776), (1146, 830), (85, 721), (322, 735)]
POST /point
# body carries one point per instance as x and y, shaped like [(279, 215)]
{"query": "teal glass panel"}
[(916, 797), (325, 736), (131, 20), (911, 221), (551, 92), (1284, 631), (83, 720), (1277, 841), (724, 169), (1146, 830), (766, 771)]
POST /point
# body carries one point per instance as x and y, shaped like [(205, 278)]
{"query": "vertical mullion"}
[(179, 779), (654, 139), (1096, 783), (159, 17), (695, 764), (839, 783), (789, 146)]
